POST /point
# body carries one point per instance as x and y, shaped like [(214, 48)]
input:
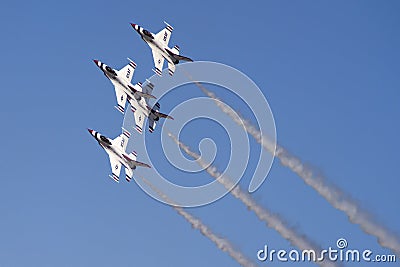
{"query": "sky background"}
[(328, 69)]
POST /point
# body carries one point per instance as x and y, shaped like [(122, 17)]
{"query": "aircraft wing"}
[(121, 97), (122, 140), (158, 62), (115, 168), (139, 116), (164, 35), (148, 88), (127, 71)]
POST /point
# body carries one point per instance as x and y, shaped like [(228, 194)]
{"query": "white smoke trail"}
[(333, 194), (221, 243), (272, 220)]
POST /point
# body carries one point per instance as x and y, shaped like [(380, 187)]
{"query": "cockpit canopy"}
[(110, 70), (105, 140), (147, 33)]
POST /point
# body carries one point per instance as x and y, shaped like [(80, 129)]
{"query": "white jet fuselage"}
[(159, 47), (117, 80), (113, 150)]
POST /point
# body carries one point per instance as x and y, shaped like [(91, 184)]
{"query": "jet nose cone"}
[(96, 62), (135, 26), (90, 131)]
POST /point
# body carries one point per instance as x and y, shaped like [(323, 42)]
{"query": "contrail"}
[(333, 194), (272, 220), (221, 243)]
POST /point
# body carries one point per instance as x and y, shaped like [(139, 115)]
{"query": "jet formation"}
[(138, 96)]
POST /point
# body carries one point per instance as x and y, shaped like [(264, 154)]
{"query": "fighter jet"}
[(116, 150), (136, 95), (159, 46), (121, 79), (141, 109)]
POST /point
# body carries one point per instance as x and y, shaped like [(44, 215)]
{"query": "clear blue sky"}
[(330, 71)]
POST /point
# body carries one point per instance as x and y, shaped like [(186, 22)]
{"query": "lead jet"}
[(159, 47), (116, 150), (137, 96)]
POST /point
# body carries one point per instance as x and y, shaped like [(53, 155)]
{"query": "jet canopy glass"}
[(105, 140), (147, 33), (110, 70)]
